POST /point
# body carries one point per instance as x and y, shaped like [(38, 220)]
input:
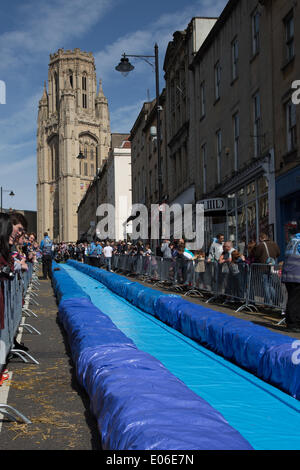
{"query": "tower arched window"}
[(70, 74), (84, 91), (56, 91)]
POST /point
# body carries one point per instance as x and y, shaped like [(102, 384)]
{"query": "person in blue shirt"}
[(98, 249), (92, 248), (291, 278), (46, 250)]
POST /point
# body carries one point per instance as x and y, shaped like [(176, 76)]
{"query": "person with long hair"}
[(6, 260)]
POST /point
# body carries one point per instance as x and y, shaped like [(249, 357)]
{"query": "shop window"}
[(231, 201), (263, 214), (251, 191), (262, 185), (241, 197), (232, 225), (251, 219)]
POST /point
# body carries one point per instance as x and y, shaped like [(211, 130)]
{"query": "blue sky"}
[(31, 30)]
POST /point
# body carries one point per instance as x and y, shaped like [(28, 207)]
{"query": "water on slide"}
[(267, 417)]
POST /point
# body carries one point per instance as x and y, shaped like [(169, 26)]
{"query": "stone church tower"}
[(72, 117)]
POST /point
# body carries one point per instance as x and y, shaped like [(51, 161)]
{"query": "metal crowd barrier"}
[(247, 286), (18, 295)]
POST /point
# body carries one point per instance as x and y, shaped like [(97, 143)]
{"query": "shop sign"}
[(215, 204)]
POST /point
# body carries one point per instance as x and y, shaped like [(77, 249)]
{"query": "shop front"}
[(288, 206), (248, 212), (250, 205)]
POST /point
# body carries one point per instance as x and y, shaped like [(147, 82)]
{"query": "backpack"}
[(47, 247)]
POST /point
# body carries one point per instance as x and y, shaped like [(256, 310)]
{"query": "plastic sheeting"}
[(263, 414), (138, 403), (64, 286), (269, 355), (141, 405)]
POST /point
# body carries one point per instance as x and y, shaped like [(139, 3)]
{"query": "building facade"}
[(246, 123), (72, 117), (231, 128), (112, 186), (119, 191), (143, 137), (180, 127), (286, 66), (233, 115)]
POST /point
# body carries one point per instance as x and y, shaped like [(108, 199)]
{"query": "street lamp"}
[(11, 193), (80, 156), (125, 67)]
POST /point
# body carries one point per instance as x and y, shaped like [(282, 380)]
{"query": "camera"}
[(7, 273)]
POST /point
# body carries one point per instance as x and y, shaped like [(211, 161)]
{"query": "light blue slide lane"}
[(265, 416)]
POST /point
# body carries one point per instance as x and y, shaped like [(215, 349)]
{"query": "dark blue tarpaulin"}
[(138, 403), (267, 354)]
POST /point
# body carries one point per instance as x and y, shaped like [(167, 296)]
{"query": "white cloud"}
[(12, 168), (46, 25), (124, 117), (21, 123), (160, 31)]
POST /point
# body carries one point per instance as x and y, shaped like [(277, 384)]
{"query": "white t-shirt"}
[(107, 251)]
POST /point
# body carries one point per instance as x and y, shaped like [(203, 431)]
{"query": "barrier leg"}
[(20, 353), (30, 328), (29, 312), (10, 411)]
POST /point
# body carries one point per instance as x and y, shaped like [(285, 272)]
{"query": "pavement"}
[(49, 394)]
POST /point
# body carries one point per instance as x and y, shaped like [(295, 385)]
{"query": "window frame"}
[(291, 126), (204, 167), (257, 124), (217, 80), (219, 154), (236, 139), (255, 32), (289, 36), (234, 58)]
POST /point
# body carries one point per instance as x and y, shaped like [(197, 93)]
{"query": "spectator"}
[(291, 278), (200, 269), (222, 270), (236, 279), (19, 224), (108, 251), (6, 261), (46, 249), (266, 252), (166, 249), (250, 256), (216, 249)]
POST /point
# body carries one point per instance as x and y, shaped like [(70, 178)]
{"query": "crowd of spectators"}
[(222, 268), (18, 249)]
